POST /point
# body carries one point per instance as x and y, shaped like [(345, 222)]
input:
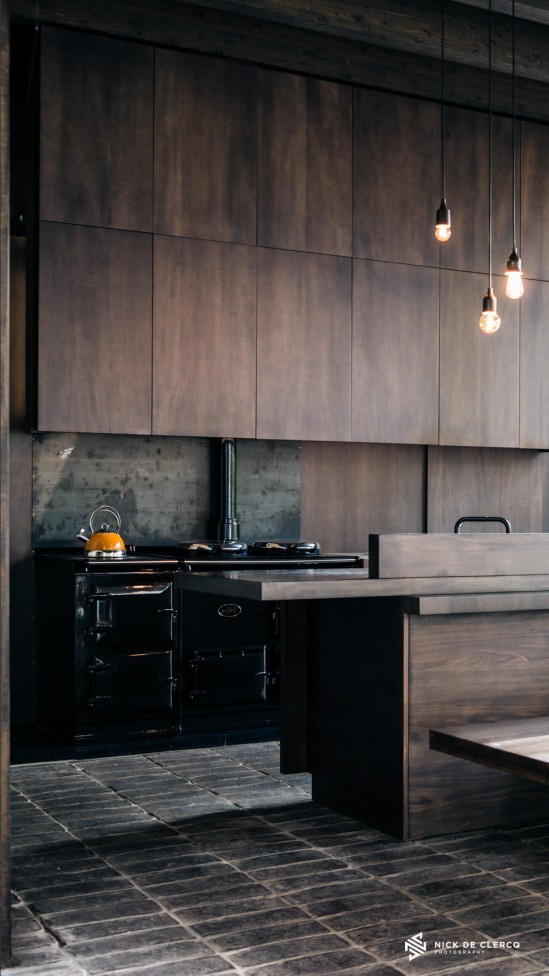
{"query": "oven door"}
[(136, 682), (229, 676), (139, 612)]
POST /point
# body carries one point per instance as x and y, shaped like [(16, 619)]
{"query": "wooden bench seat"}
[(517, 746)]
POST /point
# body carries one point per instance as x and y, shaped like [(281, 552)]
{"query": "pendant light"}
[(514, 287), (443, 228), (489, 321)]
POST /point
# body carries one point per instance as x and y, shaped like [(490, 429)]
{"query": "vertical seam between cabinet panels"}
[(405, 724), (153, 230), (353, 96), (439, 401), (259, 103), (425, 512), (519, 310)]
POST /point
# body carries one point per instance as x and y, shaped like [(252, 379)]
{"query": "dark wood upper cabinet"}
[(395, 353), (396, 181), (305, 172), (467, 190), (534, 360), (95, 321), (303, 346), (204, 338), (535, 200), (205, 148), (489, 481), (479, 373), (96, 130)]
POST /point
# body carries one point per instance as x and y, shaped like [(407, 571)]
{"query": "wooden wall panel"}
[(484, 481), (395, 355), (351, 490), (534, 365), (396, 44), (204, 338), (96, 145), (95, 330), (472, 668), (305, 159), (535, 200), (466, 163), (205, 148), (303, 346), (479, 373), (396, 180)]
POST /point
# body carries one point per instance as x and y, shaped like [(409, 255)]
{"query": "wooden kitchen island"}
[(452, 631)]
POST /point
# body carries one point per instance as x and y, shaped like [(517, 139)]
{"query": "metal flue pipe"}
[(228, 527)]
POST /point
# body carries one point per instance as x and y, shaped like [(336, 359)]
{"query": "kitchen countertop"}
[(450, 594)]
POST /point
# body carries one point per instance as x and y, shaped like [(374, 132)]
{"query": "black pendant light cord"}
[(490, 143), (513, 110), (442, 103)]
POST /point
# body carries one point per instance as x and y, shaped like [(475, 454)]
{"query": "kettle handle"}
[(110, 510)]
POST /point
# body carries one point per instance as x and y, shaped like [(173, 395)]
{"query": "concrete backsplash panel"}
[(166, 489)]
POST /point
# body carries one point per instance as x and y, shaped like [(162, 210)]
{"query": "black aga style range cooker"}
[(124, 653), (108, 658), (232, 649)]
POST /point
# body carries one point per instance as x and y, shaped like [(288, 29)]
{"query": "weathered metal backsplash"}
[(165, 488)]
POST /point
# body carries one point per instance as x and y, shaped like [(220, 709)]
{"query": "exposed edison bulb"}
[(443, 228), (514, 287), (443, 232), (489, 321)]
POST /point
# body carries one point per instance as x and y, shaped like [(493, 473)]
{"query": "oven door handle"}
[(124, 591), (98, 665), (98, 700)]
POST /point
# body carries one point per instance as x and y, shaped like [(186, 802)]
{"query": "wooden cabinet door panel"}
[(204, 338), (534, 366), (472, 668), (395, 353), (205, 158), (396, 181), (479, 374), (467, 190), (96, 143), (303, 346), (95, 323), (305, 152), (535, 200)]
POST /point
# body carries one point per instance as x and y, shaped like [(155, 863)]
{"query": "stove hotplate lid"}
[(284, 548), (201, 550)]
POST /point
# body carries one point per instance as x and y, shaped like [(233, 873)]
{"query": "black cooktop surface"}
[(107, 563)]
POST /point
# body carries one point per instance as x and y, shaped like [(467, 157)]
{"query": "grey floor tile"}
[(346, 960), (202, 861)]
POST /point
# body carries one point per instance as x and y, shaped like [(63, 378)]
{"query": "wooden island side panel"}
[(467, 668)]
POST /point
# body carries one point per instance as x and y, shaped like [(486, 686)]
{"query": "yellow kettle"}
[(104, 540)]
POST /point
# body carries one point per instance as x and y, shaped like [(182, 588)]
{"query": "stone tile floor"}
[(209, 861)]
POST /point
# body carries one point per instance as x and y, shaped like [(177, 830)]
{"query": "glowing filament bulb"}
[(443, 228), (489, 321), (515, 287)]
